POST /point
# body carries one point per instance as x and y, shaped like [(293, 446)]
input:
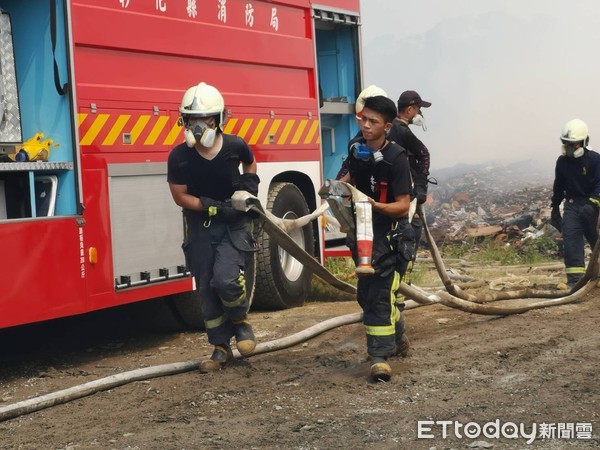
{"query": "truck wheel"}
[(282, 282)]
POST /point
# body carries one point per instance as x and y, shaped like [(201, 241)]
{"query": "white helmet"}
[(202, 100), (575, 130), (370, 91)]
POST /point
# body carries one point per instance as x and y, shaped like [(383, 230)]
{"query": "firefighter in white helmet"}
[(577, 181), (369, 91), (203, 173), (380, 169)]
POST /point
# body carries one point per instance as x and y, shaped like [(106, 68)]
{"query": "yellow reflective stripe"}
[(395, 314), (258, 131), (214, 323), (229, 126), (236, 302), (299, 131), (575, 270), (595, 201), (94, 129), (175, 131), (156, 130), (385, 330), (311, 132), (116, 129), (274, 127), (80, 118), (139, 127), (286, 131), (245, 128), (241, 298)]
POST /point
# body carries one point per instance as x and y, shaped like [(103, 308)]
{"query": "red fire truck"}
[(93, 225)]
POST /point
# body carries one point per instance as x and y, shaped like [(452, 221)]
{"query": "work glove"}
[(221, 209), (420, 189), (556, 219), (249, 183), (420, 194)]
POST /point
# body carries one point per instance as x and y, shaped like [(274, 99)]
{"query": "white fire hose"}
[(278, 228)]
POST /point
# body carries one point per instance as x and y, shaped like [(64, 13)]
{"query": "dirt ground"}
[(534, 368)]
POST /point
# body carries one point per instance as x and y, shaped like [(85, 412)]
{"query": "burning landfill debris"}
[(494, 201)]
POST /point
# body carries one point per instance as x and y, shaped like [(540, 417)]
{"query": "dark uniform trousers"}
[(218, 266), (575, 227), (377, 294)]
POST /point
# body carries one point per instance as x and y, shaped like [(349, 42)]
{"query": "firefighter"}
[(369, 91), (577, 181), (380, 169), (409, 112), (203, 173)]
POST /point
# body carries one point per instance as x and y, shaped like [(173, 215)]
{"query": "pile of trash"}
[(490, 201)]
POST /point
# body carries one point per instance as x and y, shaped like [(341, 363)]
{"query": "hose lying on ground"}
[(103, 384), (420, 298), (590, 274)]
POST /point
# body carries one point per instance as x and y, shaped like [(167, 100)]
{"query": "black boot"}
[(221, 355), (244, 336)]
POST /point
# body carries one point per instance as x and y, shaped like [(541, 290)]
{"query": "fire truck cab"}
[(89, 99)]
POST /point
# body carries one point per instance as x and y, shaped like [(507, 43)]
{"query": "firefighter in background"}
[(409, 112), (380, 169), (203, 173), (577, 181)]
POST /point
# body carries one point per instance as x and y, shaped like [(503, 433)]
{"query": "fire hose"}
[(278, 228)]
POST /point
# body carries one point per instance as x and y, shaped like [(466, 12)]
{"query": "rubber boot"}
[(244, 336), (221, 355), (380, 369)]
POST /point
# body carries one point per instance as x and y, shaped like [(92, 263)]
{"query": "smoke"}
[(503, 77)]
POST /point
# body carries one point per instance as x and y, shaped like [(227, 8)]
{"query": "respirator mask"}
[(200, 132), (419, 121), (569, 150), (364, 153)]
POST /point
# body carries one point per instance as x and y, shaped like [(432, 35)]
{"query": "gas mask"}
[(419, 121), (364, 153), (199, 132), (569, 150)]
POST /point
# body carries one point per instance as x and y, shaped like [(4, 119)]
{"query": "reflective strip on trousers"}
[(385, 330), (214, 323), (238, 301), (573, 270)]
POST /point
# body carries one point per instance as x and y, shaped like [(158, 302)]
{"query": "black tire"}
[(282, 282)]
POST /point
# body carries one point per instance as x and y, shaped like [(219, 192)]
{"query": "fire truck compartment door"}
[(147, 226)]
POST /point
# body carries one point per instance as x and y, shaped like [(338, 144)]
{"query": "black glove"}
[(420, 194), (590, 212), (556, 219), (211, 206), (221, 209), (230, 215), (249, 183), (420, 188)]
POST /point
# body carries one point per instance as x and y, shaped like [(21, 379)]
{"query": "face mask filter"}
[(199, 132), (570, 151), (364, 153)]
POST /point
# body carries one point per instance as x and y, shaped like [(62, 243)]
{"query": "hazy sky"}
[(503, 76)]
